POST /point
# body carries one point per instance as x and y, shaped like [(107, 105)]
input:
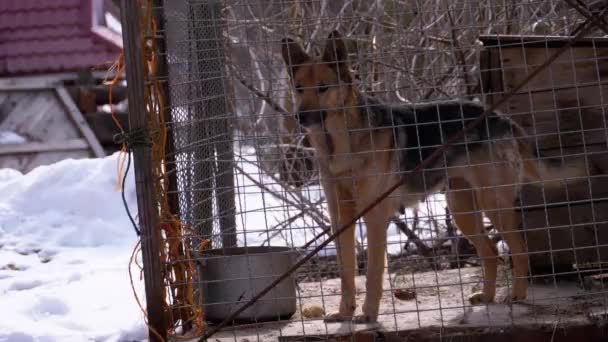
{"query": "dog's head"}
[(322, 85)]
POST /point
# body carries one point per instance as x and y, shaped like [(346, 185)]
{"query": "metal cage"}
[(234, 200)]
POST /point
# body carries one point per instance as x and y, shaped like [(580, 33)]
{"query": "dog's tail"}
[(551, 173)]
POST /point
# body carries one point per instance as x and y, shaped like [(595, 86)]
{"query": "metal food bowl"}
[(230, 277)]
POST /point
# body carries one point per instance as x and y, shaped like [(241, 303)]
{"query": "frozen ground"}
[(65, 243)]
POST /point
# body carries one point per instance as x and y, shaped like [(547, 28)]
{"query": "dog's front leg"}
[(342, 210), (376, 222)]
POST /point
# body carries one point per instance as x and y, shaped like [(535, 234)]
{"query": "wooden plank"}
[(45, 80), (27, 83), (596, 156), (600, 159), (50, 146), (79, 120), (8, 101), (38, 115), (579, 65), (491, 74), (589, 332), (563, 110), (562, 118), (517, 41), (144, 179), (42, 85), (557, 238), (568, 224), (571, 191)]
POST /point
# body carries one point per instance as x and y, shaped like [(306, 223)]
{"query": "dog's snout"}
[(311, 117)]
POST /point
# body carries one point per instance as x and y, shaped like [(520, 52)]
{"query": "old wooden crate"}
[(564, 111)]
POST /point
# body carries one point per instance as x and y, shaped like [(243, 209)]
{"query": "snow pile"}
[(65, 243)]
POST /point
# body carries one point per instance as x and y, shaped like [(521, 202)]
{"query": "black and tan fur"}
[(364, 147)]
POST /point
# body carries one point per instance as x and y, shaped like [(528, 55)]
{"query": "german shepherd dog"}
[(364, 147)]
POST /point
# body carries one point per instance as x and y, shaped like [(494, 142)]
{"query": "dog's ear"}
[(336, 55), (293, 55)]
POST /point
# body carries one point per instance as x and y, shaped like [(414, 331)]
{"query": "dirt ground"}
[(433, 299)]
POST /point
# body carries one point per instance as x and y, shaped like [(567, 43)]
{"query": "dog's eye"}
[(299, 88), (322, 87)]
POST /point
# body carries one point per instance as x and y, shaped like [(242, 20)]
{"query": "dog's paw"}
[(479, 298), (337, 317), (514, 298), (520, 291), (362, 319)]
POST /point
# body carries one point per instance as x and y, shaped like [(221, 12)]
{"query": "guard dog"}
[(364, 147)]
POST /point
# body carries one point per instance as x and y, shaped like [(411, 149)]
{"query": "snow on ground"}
[(65, 243), (259, 213), (9, 138)]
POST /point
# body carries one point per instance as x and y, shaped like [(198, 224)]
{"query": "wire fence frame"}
[(592, 19), (579, 32)]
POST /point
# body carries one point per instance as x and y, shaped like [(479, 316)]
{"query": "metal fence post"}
[(144, 180)]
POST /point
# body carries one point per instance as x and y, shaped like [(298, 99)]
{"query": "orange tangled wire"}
[(179, 271), (118, 68)]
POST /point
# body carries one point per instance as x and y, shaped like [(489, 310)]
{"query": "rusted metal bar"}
[(144, 179), (579, 32)]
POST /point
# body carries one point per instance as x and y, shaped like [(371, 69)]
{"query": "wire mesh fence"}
[(285, 119)]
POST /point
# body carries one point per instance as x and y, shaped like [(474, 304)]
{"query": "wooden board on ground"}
[(440, 305)]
